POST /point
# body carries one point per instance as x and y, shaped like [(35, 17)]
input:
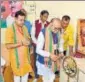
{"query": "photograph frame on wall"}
[(80, 45)]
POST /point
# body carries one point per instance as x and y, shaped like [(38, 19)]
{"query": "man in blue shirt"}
[(28, 25)]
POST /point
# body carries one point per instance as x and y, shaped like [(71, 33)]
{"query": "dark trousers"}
[(33, 63), (35, 59)]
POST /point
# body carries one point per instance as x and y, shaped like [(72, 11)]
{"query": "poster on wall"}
[(81, 36), (8, 9)]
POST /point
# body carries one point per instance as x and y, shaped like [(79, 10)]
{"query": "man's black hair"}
[(20, 13), (44, 12), (66, 17)]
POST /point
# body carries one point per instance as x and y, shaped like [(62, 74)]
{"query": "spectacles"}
[(57, 28)]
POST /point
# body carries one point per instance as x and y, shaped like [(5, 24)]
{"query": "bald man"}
[(47, 47)]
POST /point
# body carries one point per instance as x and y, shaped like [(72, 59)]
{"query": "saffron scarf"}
[(16, 50), (49, 43)]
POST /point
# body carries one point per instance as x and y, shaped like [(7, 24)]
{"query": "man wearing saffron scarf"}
[(17, 42), (49, 48)]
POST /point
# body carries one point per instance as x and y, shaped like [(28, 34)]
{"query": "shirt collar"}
[(41, 22)]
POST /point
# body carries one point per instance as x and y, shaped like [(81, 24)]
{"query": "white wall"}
[(58, 8)]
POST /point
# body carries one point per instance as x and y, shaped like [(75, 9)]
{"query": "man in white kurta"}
[(46, 72)]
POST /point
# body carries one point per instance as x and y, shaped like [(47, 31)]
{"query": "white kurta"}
[(33, 31)]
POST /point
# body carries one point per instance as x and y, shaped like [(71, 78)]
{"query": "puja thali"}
[(69, 66)]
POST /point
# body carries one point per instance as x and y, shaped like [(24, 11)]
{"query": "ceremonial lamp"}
[(70, 67)]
